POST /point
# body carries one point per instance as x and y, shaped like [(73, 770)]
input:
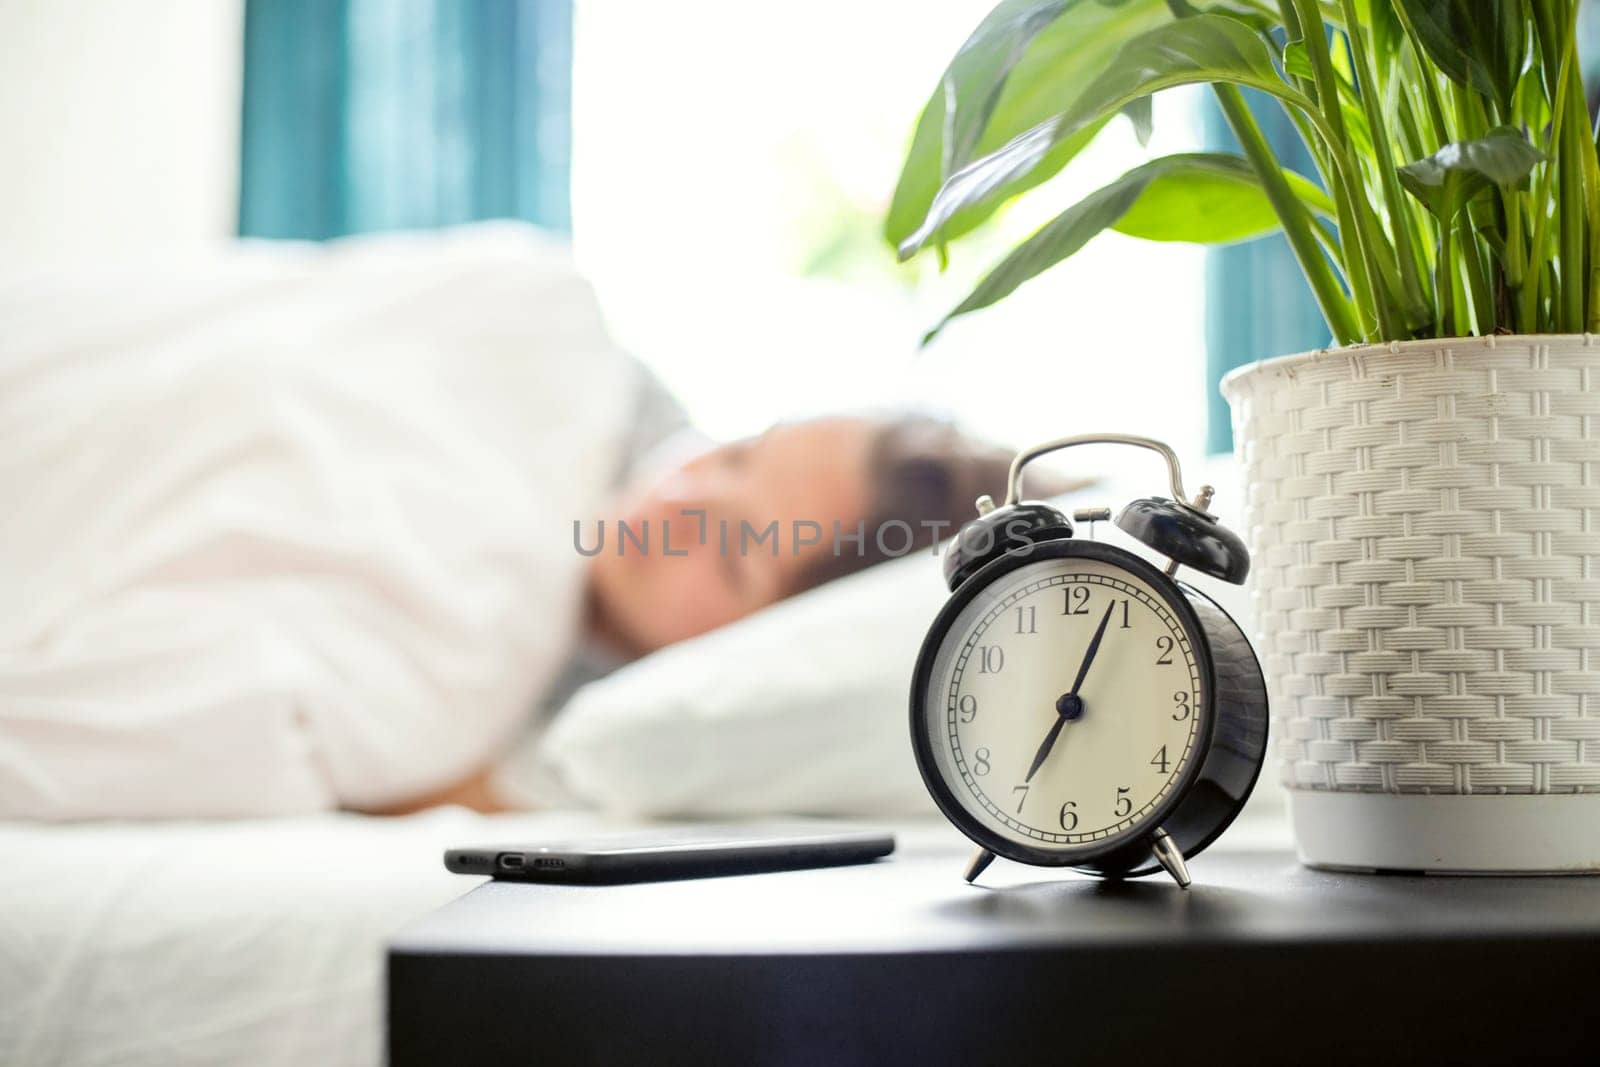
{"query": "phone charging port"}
[(511, 861)]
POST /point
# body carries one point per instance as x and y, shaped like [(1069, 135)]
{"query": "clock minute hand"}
[(1094, 648), (1070, 706)]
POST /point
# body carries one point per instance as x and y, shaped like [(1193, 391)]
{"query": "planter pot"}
[(1424, 519)]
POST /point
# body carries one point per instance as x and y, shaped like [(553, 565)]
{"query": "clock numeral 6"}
[(991, 659), (1124, 805), (1181, 712), (1069, 815), (968, 707), (980, 761)]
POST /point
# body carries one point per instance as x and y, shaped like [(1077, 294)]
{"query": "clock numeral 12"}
[(1076, 600)]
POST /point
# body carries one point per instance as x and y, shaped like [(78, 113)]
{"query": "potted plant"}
[(1423, 498)]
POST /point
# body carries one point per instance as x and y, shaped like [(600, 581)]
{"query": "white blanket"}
[(291, 528)]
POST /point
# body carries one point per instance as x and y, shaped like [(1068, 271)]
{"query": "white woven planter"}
[(1424, 522)]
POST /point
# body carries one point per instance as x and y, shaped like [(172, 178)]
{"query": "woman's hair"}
[(925, 474)]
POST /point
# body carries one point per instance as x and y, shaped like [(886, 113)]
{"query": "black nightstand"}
[(901, 962)]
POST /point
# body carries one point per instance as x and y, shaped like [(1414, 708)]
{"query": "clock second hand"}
[(1070, 706)]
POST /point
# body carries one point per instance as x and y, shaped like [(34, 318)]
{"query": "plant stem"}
[(1575, 219), (1542, 208), (1357, 227), (1292, 214), (1394, 198), (1444, 271), (1430, 88), (1477, 280)]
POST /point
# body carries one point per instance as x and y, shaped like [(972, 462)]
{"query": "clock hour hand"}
[(1044, 749), (1070, 706)]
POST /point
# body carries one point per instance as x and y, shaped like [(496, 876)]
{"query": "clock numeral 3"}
[(1164, 651), (1069, 815), (1124, 805), (1159, 761), (968, 707), (991, 659), (980, 761), (1181, 712), (1076, 600)]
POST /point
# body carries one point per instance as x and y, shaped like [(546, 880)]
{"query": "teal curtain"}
[(1257, 303), (364, 115)]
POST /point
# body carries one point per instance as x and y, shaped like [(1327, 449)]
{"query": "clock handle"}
[(1014, 482)]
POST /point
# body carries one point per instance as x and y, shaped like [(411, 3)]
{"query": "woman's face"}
[(806, 472)]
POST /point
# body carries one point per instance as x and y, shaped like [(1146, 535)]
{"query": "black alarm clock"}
[(1076, 706)]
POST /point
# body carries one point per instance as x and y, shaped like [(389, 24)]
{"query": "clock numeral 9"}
[(1027, 617), (1181, 712), (968, 707), (1076, 600), (1069, 815), (991, 659), (1164, 651), (1159, 761), (980, 761), (1124, 805)]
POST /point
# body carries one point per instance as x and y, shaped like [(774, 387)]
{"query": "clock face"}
[(1064, 708)]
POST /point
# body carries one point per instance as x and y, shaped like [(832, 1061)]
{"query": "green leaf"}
[(1211, 198), (1202, 197), (978, 73), (1481, 43), (1001, 101), (1447, 180), (1296, 61), (1205, 48), (1141, 113)]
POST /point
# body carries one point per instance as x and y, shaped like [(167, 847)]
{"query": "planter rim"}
[(1236, 377)]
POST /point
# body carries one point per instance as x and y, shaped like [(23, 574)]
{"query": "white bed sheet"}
[(252, 943)]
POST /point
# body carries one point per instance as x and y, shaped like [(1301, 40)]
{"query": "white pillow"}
[(801, 708)]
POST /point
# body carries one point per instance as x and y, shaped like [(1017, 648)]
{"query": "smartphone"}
[(662, 855)]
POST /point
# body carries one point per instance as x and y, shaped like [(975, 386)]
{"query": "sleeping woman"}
[(307, 529)]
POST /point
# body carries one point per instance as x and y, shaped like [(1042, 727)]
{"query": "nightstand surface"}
[(900, 961)]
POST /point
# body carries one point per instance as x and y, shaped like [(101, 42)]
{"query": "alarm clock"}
[(1075, 705)]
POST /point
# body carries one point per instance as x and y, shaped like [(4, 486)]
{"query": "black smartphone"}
[(661, 855)]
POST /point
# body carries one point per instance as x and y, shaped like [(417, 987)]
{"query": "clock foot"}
[(979, 863), (1169, 857)]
